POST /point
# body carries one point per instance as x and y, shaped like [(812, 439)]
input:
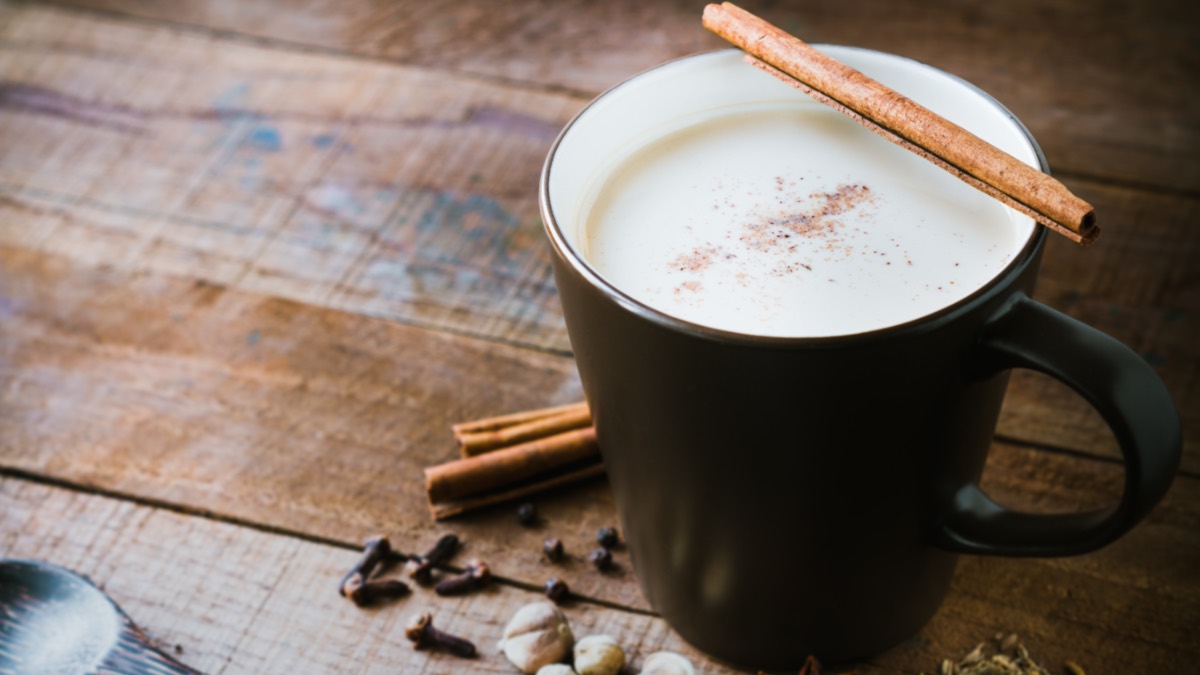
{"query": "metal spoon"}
[(53, 620)]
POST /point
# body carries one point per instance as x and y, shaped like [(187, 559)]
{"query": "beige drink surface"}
[(793, 222)]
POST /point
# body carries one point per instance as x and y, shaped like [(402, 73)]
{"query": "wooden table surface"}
[(255, 257)]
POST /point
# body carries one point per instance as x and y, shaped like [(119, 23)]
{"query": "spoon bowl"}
[(53, 620)]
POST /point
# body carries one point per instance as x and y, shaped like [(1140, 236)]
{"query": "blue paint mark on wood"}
[(253, 337), (265, 138), (324, 141)]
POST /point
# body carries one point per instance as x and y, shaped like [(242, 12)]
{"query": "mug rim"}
[(579, 264)]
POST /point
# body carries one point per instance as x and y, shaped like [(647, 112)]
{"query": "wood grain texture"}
[(230, 599), (1107, 85), (322, 179), (266, 410), (370, 187), (226, 599), (1139, 284), (272, 412), (255, 258)]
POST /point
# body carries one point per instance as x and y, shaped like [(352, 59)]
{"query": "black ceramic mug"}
[(782, 496)]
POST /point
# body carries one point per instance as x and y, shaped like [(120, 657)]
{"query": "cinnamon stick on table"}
[(906, 123), (550, 447), (479, 442), (511, 419)]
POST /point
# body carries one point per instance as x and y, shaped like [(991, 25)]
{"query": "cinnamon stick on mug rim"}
[(906, 123)]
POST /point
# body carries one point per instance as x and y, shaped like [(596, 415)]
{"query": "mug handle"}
[(1126, 392)]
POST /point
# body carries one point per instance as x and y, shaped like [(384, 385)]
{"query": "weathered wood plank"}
[(1139, 284), (320, 179), (319, 422), (237, 600), (268, 410), (371, 187), (229, 599), (1104, 85)]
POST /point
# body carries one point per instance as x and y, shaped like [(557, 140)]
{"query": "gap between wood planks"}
[(164, 505), (210, 514)]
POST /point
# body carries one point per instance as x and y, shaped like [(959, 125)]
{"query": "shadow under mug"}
[(782, 497)]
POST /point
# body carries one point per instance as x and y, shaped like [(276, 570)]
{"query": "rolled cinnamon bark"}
[(910, 125), (509, 466), (511, 419), (575, 417)]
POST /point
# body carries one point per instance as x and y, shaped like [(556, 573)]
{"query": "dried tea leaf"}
[(1015, 662)]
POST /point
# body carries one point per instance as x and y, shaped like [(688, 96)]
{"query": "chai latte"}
[(792, 221)]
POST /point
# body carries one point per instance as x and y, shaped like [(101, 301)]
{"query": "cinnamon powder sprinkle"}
[(696, 260), (777, 227)]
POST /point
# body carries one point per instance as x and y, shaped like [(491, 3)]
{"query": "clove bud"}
[(527, 514), (476, 575), (422, 634), (553, 549), (556, 590), (367, 593), (601, 558), (420, 568), (607, 537), (376, 550)]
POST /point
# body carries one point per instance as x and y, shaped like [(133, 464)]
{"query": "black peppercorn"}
[(556, 589), (527, 514), (607, 537), (601, 558), (553, 548)]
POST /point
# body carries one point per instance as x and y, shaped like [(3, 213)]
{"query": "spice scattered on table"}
[(368, 593), (420, 568), (557, 590), (1007, 656), (537, 635), (527, 514), (476, 575), (357, 584), (598, 655), (423, 635), (510, 457), (608, 537), (553, 549), (601, 558)]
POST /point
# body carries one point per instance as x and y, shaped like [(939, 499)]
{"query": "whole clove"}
[(607, 537), (553, 549), (601, 558), (423, 635), (557, 590), (420, 568), (376, 550), (367, 593), (527, 514), (476, 575)]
